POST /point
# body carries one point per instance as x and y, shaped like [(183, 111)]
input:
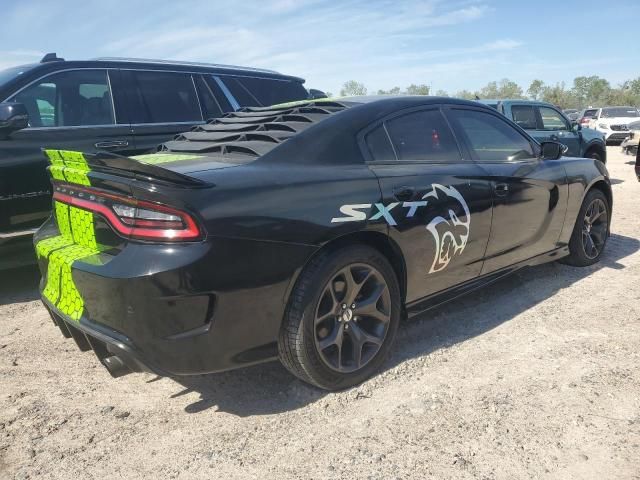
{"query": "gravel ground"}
[(534, 377)]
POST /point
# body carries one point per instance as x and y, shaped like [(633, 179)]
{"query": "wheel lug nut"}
[(344, 306), (353, 305)]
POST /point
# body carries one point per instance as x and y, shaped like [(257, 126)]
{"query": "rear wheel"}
[(591, 230), (342, 318)]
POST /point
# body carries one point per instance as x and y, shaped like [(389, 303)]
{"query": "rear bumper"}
[(180, 309), (113, 350)]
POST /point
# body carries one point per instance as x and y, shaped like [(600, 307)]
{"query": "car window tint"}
[(491, 138), (552, 119), (211, 106), (379, 145), (165, 97), (423, 135), (524, 116), (243, 96), (271, 92), (69, 99), (223, 101), (590, 113)]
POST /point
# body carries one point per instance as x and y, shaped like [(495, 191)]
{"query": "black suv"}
[(125, 106)]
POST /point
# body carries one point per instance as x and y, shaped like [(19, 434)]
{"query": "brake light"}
[(584, 120), (131, 217)]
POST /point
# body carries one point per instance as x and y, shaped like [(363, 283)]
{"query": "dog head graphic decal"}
[(450, 232)]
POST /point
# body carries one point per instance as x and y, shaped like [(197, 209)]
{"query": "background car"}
[(305, 232), (585, 116), (630, 144), (126, 106), (571, 114), (545, 122), (613, 122)]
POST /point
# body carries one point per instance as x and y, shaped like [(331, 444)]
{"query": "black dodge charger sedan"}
[(305, 232)]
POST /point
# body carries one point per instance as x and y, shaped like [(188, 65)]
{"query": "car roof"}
[(255, 132), (491, 101), (33, 71)]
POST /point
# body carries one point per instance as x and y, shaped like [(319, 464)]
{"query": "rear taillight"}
[(130, 217), (584, 120)]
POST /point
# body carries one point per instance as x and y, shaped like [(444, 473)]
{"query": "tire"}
[(594, 154), (589, 235), (321, 334)]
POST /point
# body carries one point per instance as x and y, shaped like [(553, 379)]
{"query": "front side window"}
[(69, 99), (524, 116), (417, 136), (165, 97), (552, 119), (492, 139)]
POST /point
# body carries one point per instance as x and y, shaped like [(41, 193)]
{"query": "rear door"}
[(160, 105), (530, 194), (71, 110), (435, 200)]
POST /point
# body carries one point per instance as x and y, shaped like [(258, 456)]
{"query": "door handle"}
[(111, 144), (404, 193), (501, 189)]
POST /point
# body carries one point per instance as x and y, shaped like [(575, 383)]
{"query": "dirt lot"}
[(535, 377)]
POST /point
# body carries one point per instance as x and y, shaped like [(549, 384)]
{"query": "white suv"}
[(614, 122)]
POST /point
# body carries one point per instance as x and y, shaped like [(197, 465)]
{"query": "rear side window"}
[(69, 99), (242, 95), (417, 136), (524, 116), (271, 92), (552, 119), (379, 144), (164, 97), (490, 138), (209, 101)]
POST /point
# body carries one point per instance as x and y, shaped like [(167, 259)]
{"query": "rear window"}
[(524, 116), (272, 92), (590, 113), (165, 97), (612, 112)]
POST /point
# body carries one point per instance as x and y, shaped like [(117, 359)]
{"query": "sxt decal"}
[(450, 233)]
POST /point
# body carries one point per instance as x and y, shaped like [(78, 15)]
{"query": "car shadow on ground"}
[(269, 388), (19, 285)]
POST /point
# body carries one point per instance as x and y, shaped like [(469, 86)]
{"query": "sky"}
[(446, 44)]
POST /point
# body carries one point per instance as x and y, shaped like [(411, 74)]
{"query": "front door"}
[(70, 110), (556, 128), (530, 194), (435, 200)]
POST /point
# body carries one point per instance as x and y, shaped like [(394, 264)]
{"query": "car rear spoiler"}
[(112, 163)]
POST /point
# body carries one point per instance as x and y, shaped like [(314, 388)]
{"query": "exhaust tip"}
[(115, 366)]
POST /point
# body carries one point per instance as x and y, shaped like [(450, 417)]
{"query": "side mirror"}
[(553, 150), (315, 94), (13, 116), (575, 126)]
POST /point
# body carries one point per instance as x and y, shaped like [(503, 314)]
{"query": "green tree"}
[(559, 95), (418, 89), (442, 93), (353, 88), (466, 94), (505, 88), (591, 90), (393, 91), (535, 89)]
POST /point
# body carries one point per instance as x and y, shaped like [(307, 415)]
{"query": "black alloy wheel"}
[(352, 317)]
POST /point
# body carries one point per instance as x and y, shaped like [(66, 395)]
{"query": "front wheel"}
[(341, 319), (591, 230)]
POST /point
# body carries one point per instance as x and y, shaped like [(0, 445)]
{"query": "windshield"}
[(619, 112), (11, 73)]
